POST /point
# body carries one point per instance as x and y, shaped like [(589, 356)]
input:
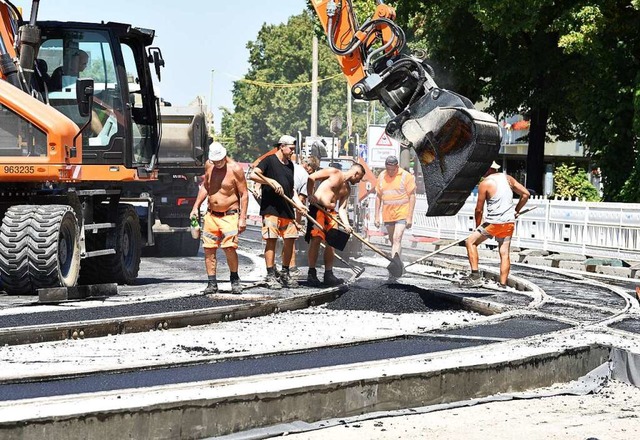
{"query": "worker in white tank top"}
[(500, 205), (496, 190)]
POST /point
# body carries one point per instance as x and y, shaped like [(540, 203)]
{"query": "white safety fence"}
[(603, 230)]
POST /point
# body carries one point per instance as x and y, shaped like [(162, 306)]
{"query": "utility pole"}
[(349, 116), (211, 128), (314, 89)]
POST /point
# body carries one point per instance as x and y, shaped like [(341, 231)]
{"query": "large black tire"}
[(122, 267), (39, 248)]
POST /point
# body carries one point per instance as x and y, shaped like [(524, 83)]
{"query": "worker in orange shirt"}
[(396, 195)]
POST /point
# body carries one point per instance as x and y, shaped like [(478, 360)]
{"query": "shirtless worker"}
[(497, 191), (333, 191), (226, 188)]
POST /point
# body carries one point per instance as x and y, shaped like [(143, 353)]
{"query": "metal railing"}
[(604, 230)]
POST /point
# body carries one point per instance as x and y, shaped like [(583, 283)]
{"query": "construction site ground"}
[(416, 357)]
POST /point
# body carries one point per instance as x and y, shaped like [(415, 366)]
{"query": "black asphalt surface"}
[(112, 312), (629, 325), (373, 292), (513, 328), (325, 357)]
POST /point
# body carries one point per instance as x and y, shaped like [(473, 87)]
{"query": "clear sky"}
[(195, 36)]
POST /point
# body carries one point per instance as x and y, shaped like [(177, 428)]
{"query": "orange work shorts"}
[(326, 221), (220, 232), (274, 227), (497, 230)]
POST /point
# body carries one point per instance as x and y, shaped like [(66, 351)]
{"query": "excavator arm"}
[(454, 142)]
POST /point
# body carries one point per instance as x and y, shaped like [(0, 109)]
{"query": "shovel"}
[(395, 268), (357, 270), (421, 259)]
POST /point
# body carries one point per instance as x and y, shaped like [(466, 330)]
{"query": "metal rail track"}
[(554, 301)]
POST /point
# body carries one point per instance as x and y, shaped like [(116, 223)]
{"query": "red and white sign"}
[(381, 145)]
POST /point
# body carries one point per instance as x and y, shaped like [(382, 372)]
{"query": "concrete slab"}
[(614, 262), (615, 271), (538, 261), (571, 265), (216, 408), (534, 253), (59, 294)]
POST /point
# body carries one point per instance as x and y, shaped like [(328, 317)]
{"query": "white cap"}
[(285, 139), (217, 151), (495, 165)]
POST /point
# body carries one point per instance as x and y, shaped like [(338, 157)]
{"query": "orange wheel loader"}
[(79, 134)]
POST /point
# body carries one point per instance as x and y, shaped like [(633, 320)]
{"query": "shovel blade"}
[(337, 238), (395, 267)]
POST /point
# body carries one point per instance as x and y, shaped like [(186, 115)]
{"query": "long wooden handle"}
[(292, 203), (421, 259)]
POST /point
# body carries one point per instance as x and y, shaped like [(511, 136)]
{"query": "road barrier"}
[(591, 229)]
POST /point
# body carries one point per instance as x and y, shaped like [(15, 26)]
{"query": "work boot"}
[(210, 289), (312, 280), (236, 287), (331, 280), (287, 280), (473, 280), (272, 282), (295, 273)]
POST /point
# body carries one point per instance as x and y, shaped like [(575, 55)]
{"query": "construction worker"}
[(497, 191), (275, 173), (333, 191), (300, 175), (226, 188), (396, 195)]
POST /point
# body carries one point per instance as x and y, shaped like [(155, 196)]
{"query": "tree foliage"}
[(571, 66), (504, 52), (607, 96), (274, 98), (572, 182)]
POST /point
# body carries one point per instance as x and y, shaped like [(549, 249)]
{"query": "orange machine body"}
[(352, 65)]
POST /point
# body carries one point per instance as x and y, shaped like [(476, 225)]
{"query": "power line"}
[(283, 86)]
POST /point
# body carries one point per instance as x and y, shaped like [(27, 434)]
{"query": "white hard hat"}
[(217, 151)]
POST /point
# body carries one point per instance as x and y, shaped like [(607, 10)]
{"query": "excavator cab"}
[(122, 125), (79, 131)]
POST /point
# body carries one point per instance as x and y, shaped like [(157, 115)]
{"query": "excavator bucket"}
[(455, 144)]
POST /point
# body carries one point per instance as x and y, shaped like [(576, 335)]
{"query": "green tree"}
[(604, 36), (274, 98), (572, 182), (505, 51), (227, 136), (570, 66)]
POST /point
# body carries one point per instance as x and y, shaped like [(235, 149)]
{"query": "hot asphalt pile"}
[(388, 298)]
